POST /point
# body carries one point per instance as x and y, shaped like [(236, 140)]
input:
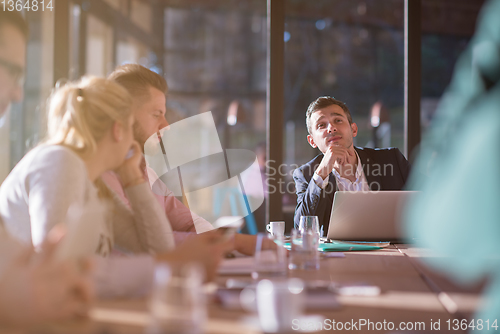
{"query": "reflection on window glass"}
[(215, 60), (75, 17), (439, 54), (446, 30), (141, 15), (130, 50), (119, 5), (99, 47)]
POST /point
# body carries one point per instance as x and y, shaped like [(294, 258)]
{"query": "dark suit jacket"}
[(385, 169)]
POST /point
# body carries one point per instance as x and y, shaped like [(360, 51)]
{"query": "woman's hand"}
[(245, 243), (130, 172)]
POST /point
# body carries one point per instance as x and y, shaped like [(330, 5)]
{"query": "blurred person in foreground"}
[(148, 90), (33, 287), (341, 165), (459, 220)]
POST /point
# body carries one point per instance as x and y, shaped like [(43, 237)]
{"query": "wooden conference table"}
[(410, 293)]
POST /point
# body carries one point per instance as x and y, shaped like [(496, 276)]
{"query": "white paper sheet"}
[(236, 266)]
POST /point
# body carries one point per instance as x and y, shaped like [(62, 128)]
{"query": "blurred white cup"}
[(276, 228)]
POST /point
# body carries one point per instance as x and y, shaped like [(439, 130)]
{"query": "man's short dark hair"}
[(16, 20), (323, 102)]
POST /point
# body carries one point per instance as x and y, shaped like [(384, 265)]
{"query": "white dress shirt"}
[(343, 184)]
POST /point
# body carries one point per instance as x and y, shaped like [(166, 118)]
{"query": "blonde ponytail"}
[(80, 113)]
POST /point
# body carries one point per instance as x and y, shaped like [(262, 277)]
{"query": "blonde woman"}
[(89, 132)]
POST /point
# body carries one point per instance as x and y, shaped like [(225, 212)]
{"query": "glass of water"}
[(270, 256), (304, 253), (279, 303), (309, 223), (178, 303)]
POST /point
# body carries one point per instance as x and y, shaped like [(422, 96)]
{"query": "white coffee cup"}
[(276, 228)]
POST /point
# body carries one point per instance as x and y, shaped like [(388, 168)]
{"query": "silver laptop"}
[(371, 216)]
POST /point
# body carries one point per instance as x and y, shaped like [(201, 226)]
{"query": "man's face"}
[(149, 116), (329, 126), (12, 65)]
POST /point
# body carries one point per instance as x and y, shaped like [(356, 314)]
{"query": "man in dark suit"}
[(341, 166)]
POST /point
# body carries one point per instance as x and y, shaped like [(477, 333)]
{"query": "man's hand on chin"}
[(335, 155)]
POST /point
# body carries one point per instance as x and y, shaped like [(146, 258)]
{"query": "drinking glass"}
[(270, 256), (304, 253), (178, 303), (307, 223), (279, 303)]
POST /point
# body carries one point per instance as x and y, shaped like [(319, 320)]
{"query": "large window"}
[(446, 30), (215, 60), (99, 55)]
